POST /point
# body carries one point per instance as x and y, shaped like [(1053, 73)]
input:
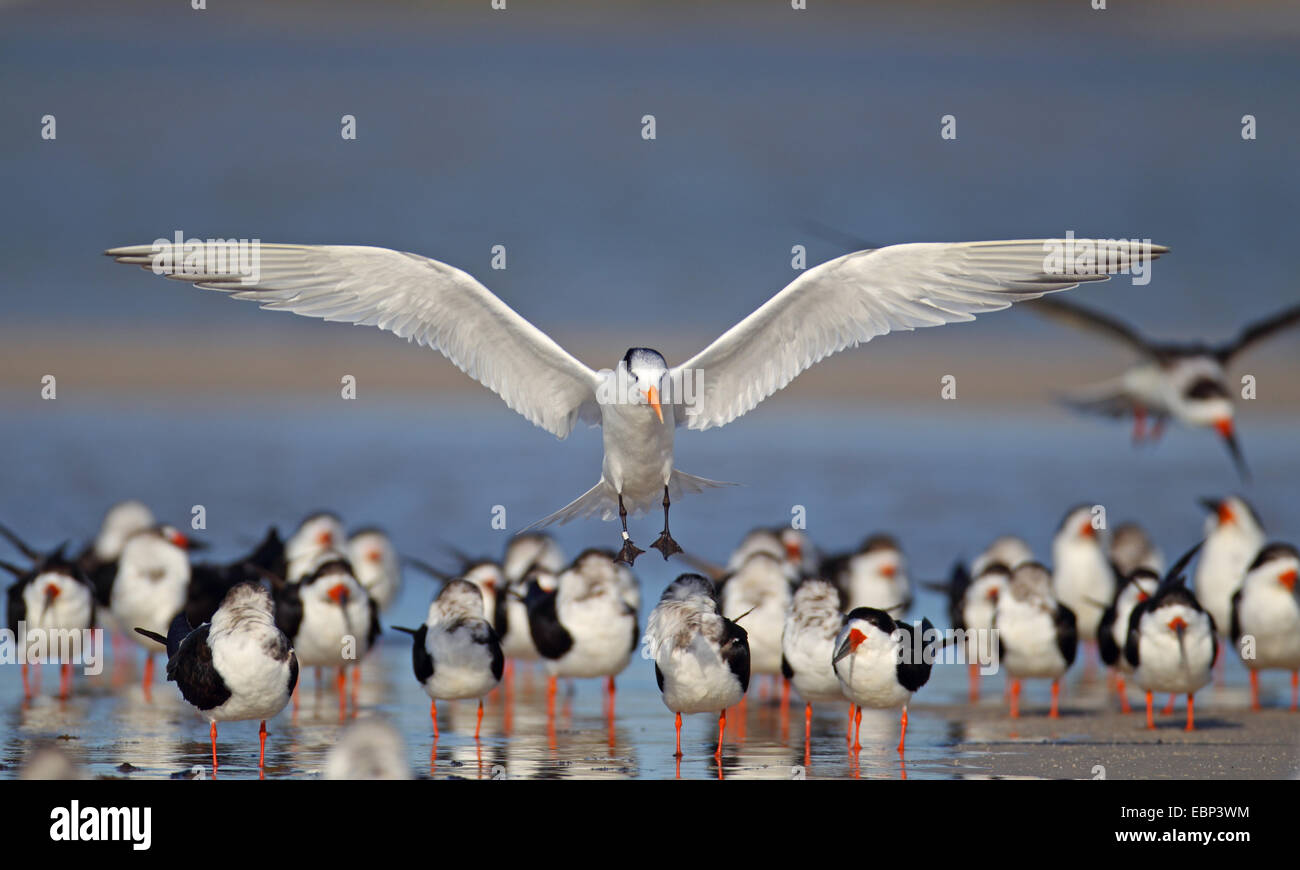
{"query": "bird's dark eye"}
[(1205, 388)]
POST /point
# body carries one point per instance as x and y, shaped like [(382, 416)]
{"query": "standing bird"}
[(52, 595), (808, 646), (98, 560), (524, 554), (237, 667), (759, 588), (1187, 382), (151, 585), (1131, 548), (318, 533), (701, 657), (1267, 609), (1008, 550), (377, 565), (1112, 632), (1082, 578), (1037, 635), (455, 653), (836, 305), (873, 576), (1233, 538), (328, 616), (972, 603), (1171, 643), (583, 620), (875, 660)]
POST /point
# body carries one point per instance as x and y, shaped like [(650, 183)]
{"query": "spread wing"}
[(1077, 316), (1258, 331), (413, 297), (852, 299)]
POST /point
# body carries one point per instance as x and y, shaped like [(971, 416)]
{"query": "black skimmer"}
[(874, 576), (455, 654), (701, 657), (584, 619), (1037, 634), (972, 602), (376, 563), (52, 595), (811, 625), (151, 585), (1008, 550), (210, 582), (328, 616), (1233, 538), (98, 560), (1187, 382), (318, 533), (798, 554), (1132, 548), (1112, 631), (1266, 609), (369, 749), (238, 667), (875, 661), (1171, 643), (531, 551), (640, 401), (1083, 578), (759, 591)]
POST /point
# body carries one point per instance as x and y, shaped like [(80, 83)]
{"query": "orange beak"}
[(325, 539), (1287, 579), (1224, 427), (339, 593), (993, 595), (1177, 624), (52, 591), (652, 396), (888, 570), (793, 551), (180, 540), (1088, 531), (374, 555), (1225, 514)]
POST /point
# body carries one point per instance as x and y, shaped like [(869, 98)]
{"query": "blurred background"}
[(523, 128)]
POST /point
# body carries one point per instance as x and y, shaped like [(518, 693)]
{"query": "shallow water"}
[(944, 479)]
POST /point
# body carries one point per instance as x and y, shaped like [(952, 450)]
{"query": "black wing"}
[(195, 673), (958, 582), (1067, 633), (659, 677), (288, 609), (293, 672), (208, 587), (421, 661), (913, 675), (786, 670), (1131, 641), (1234, 627), (1110, 651), (550, 637), (1092, 321), (486, 635), (735, 651), (373, 629), (1258, 331)]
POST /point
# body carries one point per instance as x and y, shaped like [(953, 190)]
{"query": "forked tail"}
[(602, 500)]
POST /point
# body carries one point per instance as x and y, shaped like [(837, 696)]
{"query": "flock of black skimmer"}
[(832, 628)]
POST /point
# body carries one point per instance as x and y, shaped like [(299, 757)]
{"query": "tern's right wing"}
[(415, 298)]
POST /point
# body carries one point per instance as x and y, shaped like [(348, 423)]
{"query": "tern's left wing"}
[(1258, 331), (852, 299)]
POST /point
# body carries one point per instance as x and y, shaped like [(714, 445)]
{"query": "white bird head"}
[(648, 370)]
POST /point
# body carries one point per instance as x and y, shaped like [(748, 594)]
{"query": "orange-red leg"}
[(479, 724), (857, 730), (27, 686), (974, 671), (1295, 691), (341, 681), (261, 752), (1122, 688), (551, 688), (610, 688), (212, 733), (1191, 718), (678, 753), (807, 732), (65, 679), (433, 714), (1055, 712), (722, 729), (848, 738), (1151, 719), (1254, 689), (148, 676), (1015, 699), (902, 737), (1169, 708)]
